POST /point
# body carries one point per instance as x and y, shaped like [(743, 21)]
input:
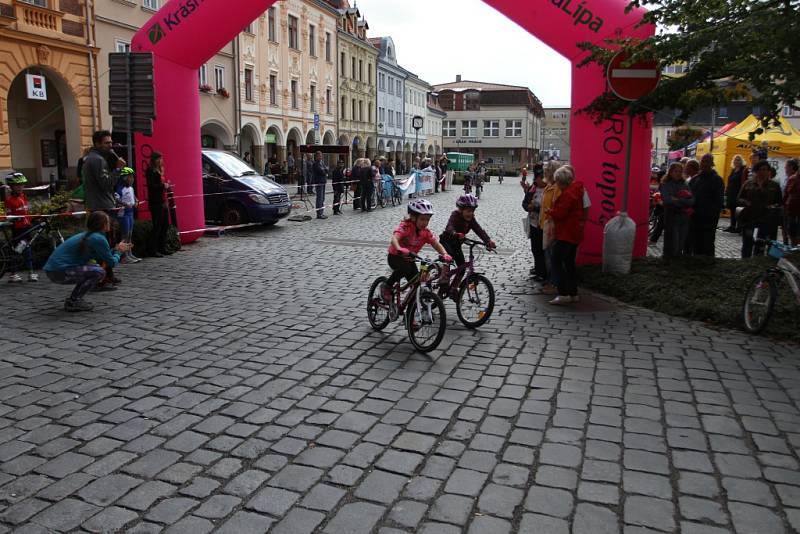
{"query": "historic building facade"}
[(501, 124), (287, 76), (434, 116), (416, 105), (555, 134), (48, 87), (391, 100), (357, 72)]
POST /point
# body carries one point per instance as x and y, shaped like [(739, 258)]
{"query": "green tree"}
[(731, 48), (680, 137)]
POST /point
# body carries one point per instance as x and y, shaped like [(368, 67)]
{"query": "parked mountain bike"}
[(397, 194), (474, 297), (423, 310), (14, 250), (762, 294)]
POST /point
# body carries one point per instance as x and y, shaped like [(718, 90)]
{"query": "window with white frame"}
[(469, 128), (328, 101), (294, 94), (122, 46), (344, 108), (391, 118), (369, 74), (491, 128), (343, 63), (150, 4), (361, 110), (328, 46), (203, 74), (391, 85), (514, 128), (353, 67), (353, 109), (399, 87), (273, 90), (312, 38), (369, 112), (398, 118), (219, 77), (449, 128), (360, 70), (313, 97), (787, 111)]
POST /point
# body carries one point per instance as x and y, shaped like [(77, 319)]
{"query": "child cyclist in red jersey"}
[(17, 205), (409, 238)]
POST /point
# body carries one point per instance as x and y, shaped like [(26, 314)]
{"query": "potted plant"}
[(205, 88), (223, 92)]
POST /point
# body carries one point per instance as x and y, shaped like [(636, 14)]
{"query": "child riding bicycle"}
[(462, 221), (407, 240)]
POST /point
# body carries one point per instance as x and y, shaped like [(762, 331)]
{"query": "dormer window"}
[(389, 52)]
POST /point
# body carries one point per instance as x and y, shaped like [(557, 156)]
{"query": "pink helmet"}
[(467, 201)]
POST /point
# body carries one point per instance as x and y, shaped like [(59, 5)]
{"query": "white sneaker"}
[(561, 300), (14, 278), (33, 277), (133, 258)]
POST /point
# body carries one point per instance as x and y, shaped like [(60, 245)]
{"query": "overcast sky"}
[(437, 39)]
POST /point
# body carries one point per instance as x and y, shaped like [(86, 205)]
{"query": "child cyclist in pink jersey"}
[(409, 238)]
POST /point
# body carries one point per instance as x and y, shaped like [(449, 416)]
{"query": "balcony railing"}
[(46, 16)]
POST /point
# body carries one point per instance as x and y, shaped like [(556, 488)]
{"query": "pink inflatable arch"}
[(184, 34)]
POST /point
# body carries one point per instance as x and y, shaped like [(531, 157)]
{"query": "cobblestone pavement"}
[(238, 386)]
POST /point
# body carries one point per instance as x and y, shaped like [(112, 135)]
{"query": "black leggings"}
[(564, 265), (453, 247), (401, 268)]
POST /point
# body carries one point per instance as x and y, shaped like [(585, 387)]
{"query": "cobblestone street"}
[(237, 386)]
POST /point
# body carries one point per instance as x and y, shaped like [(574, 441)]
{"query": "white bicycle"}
[(759, 301)]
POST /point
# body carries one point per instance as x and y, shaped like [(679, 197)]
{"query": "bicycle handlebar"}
[(474, 243)]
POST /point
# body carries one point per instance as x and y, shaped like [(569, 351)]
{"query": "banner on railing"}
[(424, 179)]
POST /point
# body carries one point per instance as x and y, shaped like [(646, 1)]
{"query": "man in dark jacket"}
[(708, 191), (338, 187), (319, 174), (98, 185)]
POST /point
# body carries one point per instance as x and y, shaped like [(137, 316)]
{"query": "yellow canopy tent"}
[(783, 144)]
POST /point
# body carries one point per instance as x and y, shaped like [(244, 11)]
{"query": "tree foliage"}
[(732, 49), (680, 137)]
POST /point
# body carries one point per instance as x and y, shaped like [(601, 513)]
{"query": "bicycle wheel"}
[(759, 301), (475, 302), (377, 310), (5, 259), (426, 321)]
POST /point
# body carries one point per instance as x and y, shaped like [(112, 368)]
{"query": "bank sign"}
[(37, 87), (172, 19)]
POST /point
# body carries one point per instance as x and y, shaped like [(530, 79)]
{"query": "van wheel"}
[(233, 215)]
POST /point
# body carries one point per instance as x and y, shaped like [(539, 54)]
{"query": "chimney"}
[(458, 77)]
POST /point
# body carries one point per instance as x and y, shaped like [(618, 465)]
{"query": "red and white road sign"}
[(632, 82)]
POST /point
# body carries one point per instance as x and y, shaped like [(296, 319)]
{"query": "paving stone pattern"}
[(238, 387)]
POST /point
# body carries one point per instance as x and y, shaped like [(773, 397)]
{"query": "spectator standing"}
[(760, 196), (763, 151), (677, 201), (290, 165), (77, 260), (532, 203), (98, 185), (443, 166), (157, 188), (569, 218), (791, 202), (363, 173), (305, 175), (708, 191), (319, 172), (338, 180), (736, 179), (551, 194)]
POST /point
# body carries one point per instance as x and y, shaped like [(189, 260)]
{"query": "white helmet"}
[(420, 207)]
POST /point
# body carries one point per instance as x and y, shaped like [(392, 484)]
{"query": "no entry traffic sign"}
[(632, 82)]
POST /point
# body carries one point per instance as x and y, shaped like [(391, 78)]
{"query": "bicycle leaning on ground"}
[(423, 310), (474, 296), (762, 294), (13, 250)]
